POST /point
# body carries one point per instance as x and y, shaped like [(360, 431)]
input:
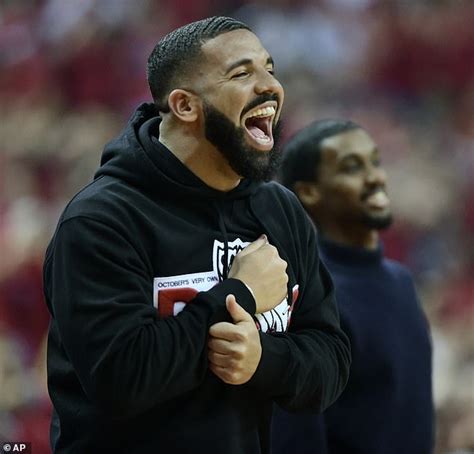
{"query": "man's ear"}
[(308, 193), (184, 104)]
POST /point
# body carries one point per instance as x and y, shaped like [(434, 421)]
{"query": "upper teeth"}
[(265, 112)]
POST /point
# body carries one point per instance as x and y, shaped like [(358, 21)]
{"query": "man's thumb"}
[(252, 247), (236, 311)]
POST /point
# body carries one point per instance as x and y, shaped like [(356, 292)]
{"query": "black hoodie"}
[(135, 275)]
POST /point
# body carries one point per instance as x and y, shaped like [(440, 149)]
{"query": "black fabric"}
[(387, 406), (124, 374)]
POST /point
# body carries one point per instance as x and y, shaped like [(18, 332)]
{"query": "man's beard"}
[(230, 140), (377, 222), (372, 220)]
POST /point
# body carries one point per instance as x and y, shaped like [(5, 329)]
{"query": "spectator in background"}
[(387, 407)]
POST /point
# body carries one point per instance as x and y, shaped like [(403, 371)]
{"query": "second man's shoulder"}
[(398, 270)]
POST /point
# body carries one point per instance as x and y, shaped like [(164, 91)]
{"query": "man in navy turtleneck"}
[(334, 168)]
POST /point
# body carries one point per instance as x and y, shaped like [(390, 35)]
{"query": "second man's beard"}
[(377, 222)]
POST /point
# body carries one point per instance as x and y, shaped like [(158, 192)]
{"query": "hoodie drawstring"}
[(225, 264)]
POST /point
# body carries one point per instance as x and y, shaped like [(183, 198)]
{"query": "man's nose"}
[(267, 83), (376, 176)]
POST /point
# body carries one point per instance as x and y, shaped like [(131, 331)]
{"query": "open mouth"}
[(377, 199), (259, 126)]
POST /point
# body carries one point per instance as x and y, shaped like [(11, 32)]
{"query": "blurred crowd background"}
[(72, 71)]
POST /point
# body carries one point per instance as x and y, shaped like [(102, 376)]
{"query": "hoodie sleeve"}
[(307, 367), (100, 295)]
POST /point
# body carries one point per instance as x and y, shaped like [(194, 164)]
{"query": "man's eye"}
[(240, 75), (271, 71), (350, 167)]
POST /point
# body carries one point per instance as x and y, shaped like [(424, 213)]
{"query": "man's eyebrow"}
[(245, 61), (352, 155), (349, 156)]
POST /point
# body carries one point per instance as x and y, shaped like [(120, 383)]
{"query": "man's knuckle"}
[(239, 355), (237, 366), (231, 376), (239, 337)]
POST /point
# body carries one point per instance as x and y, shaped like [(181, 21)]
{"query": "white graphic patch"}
[(218, 255), (274, 320), (172, 293), (278, 319)]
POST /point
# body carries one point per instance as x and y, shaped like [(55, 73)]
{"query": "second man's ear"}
[(308, 193), (184, 105)]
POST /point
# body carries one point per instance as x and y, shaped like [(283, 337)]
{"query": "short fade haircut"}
[(172, 57), (302, 153)]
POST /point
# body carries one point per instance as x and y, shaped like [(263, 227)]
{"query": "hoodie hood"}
[(138, 158)]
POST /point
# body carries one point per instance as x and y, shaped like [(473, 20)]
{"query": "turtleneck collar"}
[(349, 255)]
